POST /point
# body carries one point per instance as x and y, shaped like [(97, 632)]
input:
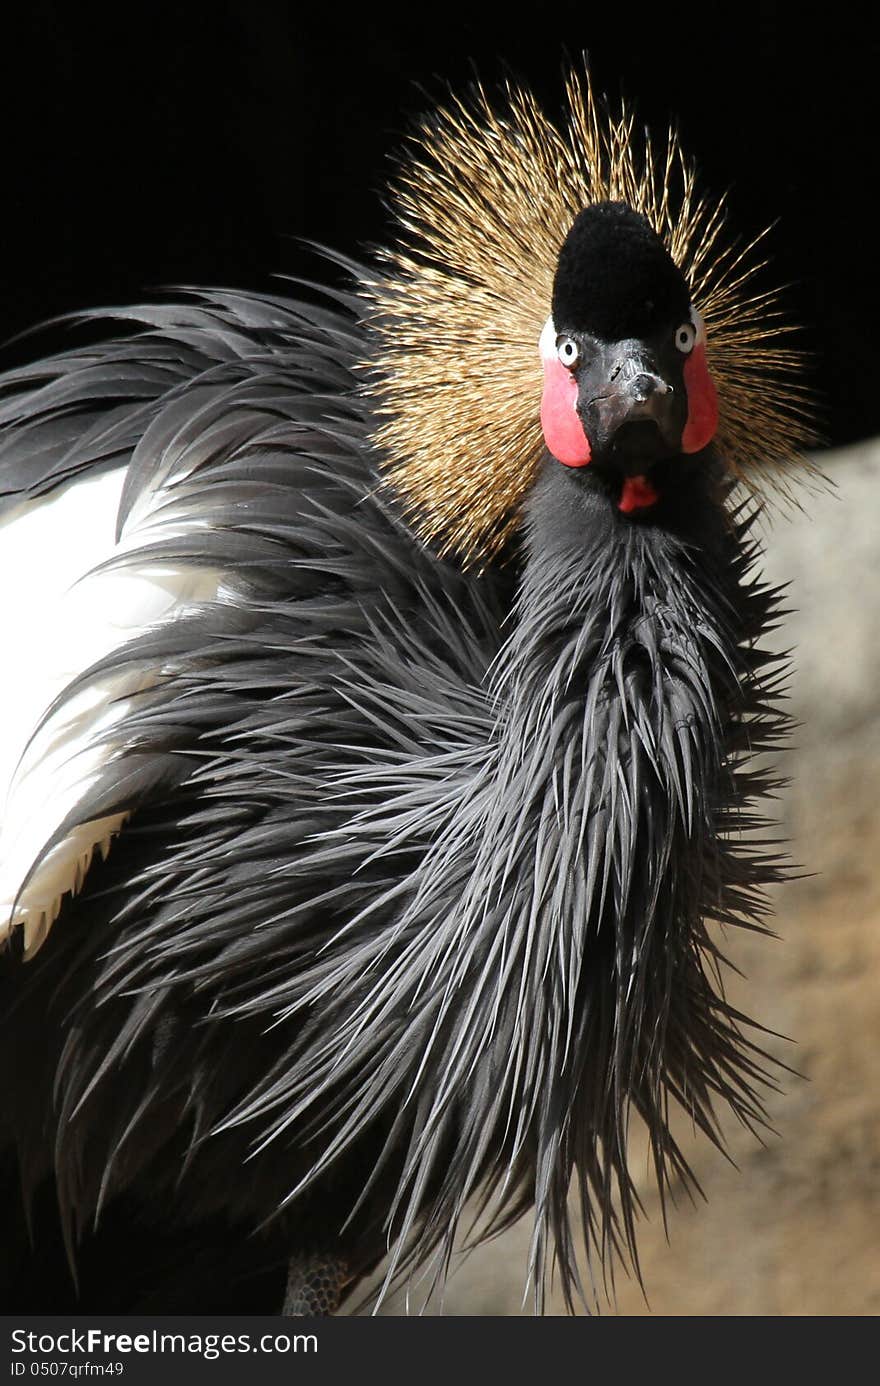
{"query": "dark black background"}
[(150, 144)]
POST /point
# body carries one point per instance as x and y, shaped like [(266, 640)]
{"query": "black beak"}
[(632, 413)]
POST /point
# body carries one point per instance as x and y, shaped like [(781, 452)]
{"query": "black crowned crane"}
[(378, 739)]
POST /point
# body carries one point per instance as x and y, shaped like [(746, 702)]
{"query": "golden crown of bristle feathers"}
[(458, 305)]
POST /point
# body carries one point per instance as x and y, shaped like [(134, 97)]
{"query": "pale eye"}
[(568, 352), (685, 337)]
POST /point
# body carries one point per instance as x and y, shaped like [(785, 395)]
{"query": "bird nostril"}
[(646, 385)]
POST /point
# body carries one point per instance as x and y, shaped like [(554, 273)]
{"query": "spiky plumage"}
[(414, 902)]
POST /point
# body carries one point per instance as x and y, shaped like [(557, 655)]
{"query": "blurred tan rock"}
[(795, 1229)]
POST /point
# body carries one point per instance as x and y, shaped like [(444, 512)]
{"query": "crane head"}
[(626, 382)]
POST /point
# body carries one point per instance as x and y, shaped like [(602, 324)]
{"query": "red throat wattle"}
[(637, 493)]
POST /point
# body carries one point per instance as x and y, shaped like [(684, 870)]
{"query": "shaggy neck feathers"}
[(624, 695), (552, 951)]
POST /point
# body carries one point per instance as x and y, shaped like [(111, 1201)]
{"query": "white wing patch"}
[(57, 618)]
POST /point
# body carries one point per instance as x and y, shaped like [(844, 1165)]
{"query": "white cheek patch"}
[(57, 618), (699, 328), (547, 341)]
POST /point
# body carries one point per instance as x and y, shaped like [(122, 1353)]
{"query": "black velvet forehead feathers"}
[(615, 278)]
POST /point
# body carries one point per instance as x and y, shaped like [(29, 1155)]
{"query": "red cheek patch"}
[(563, 431), (702, 419)]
